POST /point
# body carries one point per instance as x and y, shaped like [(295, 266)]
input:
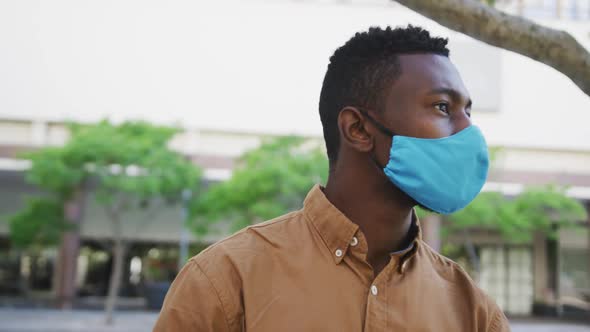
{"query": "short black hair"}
[(361, 70)]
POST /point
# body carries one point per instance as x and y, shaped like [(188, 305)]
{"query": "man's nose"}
[(461, 122)]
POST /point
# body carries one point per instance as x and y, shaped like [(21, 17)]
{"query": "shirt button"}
[(374, 290), (354, 241), (338, 253)]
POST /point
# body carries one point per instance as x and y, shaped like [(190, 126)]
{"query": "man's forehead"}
[(427, 72)]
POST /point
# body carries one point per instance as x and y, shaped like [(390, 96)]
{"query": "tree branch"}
[(151, 216), (113, 211), (555, 48)]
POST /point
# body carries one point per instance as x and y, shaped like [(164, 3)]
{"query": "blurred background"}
[(133, 134)]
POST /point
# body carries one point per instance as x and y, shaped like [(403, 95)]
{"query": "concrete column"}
[(520, 7), (588, 245), (559, 8), (540, 269), (431, 231)]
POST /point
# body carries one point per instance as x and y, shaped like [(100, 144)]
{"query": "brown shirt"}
[(306, 271)]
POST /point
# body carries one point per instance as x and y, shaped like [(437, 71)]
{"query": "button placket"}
[(403, 266), (382, 280), (377, 303), (374, 290)]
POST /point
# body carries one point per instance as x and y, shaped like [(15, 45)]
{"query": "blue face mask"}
[(442, 174)]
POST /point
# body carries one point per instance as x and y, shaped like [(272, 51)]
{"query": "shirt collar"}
[(337, 230), (333, 226)]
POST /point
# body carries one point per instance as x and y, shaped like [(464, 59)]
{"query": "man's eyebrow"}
[(451, 92)]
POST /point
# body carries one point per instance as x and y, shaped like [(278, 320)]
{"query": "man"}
[(396, 120)]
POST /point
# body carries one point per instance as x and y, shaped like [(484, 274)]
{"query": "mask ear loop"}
[(382, 129)]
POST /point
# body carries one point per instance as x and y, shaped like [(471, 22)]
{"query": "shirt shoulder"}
[(253, 240), (227, 265), (488, 314), (243, 255)]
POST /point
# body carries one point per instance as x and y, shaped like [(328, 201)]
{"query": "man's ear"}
[(353, 130)]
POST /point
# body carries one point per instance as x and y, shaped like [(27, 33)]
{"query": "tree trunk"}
[(474, 18), (119, 253), (67, 260)]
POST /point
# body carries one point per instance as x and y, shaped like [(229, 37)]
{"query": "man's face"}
[(428, 100)]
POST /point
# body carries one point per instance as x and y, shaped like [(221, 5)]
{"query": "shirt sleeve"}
[(192, 304), (499, 321)]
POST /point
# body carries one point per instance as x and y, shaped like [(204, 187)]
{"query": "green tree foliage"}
[(274, 179), (131, 158), (267, 182), (536, 209), (127, 165), (39, 224)]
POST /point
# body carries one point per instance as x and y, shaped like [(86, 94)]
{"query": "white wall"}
[(242, 65)]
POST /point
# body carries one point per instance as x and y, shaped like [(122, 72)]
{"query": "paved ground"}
[(547, 327), (43, 320)]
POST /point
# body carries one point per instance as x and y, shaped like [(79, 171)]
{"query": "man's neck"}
[(384, 216)]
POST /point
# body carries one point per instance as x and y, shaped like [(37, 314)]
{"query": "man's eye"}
[(443, 107)]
